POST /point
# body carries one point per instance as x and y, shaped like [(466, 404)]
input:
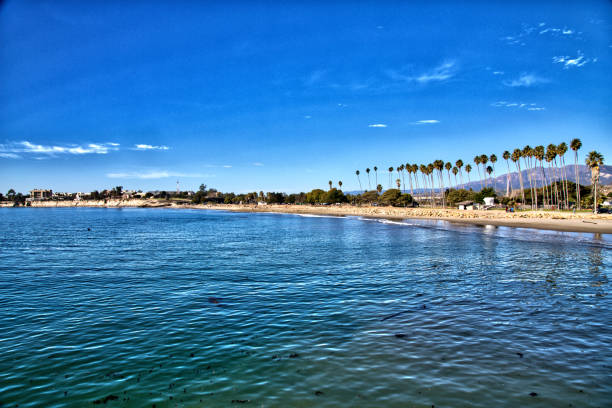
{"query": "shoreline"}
[(543, 220)]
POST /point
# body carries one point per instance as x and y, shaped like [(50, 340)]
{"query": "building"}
[(466, 205), (41, 194)]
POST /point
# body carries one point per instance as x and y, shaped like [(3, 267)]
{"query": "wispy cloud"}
[(426, 122), (149, 147), (537, 30), (498, 72), (10, 156), (526, 80), (518, 105), (258, 164), (377, 125), (156, 175), (314, 77), (227, 166), (573, 62), (53, 150), (440, 73)]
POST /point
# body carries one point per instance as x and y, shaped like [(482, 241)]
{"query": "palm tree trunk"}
[(479, 176), (508, 184), (518, 164), (577, 179)]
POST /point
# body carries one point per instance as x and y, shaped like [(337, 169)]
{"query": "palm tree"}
[(484, 159), (399, 184), (330, 184), (493, 159), (538, 153), (468, 169), (562, 149), (506, 156), (459, 164), (430, 170), (340, 185), (439, 165), (410, 170), (368, 173), (448, 168), (400, 170), (390, 173), (593, 161), (551, 157), (455, 171), (376, 173), (516, 156), (358, 179), (477, 163), (575, 145), (379, 188), (526, 156), (489, 170)]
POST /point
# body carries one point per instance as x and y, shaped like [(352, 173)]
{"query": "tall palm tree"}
[(551, 158), (448, 168), (489, 171), (538, 153), (527, 154), (493, 159), (376, 173), (430, 170), (400, 172), (415, 170), (409, 170), (484, 159), (506, 156), (330, 184), (477, 163), (390, 173), (379, 188), (368, 173), (358, 179), (516, 158), (575, 145), (439, 165), (561, 150), (423, 170), (468, 169), (399, 184), (455, 171), (459, 164), (593, 161), (340, 184)]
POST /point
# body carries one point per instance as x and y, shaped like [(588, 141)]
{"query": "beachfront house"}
[(41, 194), (466, 205), (489, 201)]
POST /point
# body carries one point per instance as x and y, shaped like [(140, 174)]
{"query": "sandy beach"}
[(548, 220)]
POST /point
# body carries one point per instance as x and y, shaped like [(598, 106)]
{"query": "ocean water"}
[(190, 308)]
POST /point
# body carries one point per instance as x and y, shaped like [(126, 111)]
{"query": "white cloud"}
[(426, 122), (442, 72), (50, 150), (307, 117), (526, 80), (10, 156), (227, 166), (258, 164), (569, 62), (498, 72), (377, 125), (156, 175), (518, 105), (149, 147)]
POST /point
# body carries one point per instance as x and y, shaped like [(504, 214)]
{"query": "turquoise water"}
[(188, 308)]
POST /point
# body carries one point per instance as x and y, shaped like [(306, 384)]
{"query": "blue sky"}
[(247, 97)]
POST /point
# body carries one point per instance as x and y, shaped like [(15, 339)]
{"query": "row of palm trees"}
[(545, 170)]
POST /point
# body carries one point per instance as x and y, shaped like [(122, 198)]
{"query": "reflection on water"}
[(196, 308)]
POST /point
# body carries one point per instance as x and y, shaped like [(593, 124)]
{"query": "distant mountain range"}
[(605, 178)]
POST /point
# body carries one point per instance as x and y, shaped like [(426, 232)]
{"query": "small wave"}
[(319, 216)]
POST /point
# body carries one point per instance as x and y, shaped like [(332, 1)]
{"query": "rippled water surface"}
[(188, 308)]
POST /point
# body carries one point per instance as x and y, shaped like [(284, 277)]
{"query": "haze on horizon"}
[(248, 97)]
